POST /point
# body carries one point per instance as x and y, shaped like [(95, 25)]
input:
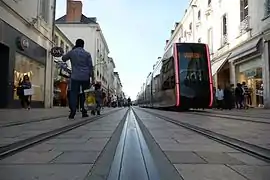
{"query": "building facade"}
[(26, 30), (117, 85), (59, 74), (111, 67), (88, 29), (238, 38)]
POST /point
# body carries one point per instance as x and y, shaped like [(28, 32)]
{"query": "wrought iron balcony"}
[(224, 39), (245, 25)]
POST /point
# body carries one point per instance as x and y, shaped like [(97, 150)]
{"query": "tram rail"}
[(16, 147), (251, 149)]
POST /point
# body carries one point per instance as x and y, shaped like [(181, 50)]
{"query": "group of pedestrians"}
[(82, 72), (232, 97)]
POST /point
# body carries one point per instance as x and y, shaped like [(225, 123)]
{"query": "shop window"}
[(36, 72), (253, 79)]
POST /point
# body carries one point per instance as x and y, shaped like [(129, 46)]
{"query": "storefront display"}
[(35, 71), (253, 79)]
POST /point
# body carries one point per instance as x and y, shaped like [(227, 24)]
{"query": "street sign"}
[(57, 51)]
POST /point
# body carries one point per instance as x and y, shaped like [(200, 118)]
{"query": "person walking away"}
[(239, 96), (98, 97), (129, 102), (80, 102), (220, 97), (227, 97), (25, 98), (68, 93), (214, 97), (82, 71)]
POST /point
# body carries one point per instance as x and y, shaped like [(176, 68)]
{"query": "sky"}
[(135, 32)]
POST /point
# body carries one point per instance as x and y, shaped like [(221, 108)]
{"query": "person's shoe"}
[(85, 115), (71, 116)]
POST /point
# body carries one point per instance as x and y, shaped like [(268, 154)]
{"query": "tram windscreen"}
[(193, 69), (193, 65)]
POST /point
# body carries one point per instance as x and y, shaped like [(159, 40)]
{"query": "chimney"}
[(74, 11), (167, 41), (172, 31)]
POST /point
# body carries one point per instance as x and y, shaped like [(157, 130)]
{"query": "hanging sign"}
[(57, 51)]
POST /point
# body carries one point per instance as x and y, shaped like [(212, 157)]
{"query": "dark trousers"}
[(74, 92), (25, 100), (220, 104), (80, 101), (68, 98)]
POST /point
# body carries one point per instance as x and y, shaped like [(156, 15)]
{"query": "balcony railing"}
[(224, 39), (245, 25)]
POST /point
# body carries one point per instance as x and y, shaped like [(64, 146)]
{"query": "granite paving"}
[(198, 158), (65, 157), (9, 135), (250, 132)]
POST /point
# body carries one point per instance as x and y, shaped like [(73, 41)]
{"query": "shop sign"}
[(57, 51), (22, 43), (251, 73)]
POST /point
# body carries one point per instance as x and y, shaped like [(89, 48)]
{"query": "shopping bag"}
[(28, 92)]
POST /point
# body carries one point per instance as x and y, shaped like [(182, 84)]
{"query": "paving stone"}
[(87, 157), (30, 157), (44, 147), (44, 172), (207, 172), (253, 172), (66, 141), (184, 157), (247, 159), (218, 158)]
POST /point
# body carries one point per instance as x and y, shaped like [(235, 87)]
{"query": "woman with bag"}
[(25, 94)]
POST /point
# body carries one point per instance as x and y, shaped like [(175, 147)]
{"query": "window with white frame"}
[(199, 15), (224, 36), (243, 10), (44, 10), (209, 2), (267, 8)]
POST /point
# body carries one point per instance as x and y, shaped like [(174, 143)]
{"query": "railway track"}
[(239, 118), (13, 148), (251, 149)]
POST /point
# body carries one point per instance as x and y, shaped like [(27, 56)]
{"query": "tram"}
[(181, 80)]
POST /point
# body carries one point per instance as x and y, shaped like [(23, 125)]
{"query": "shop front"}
[(221, 71), (20, 56), (248, 63)]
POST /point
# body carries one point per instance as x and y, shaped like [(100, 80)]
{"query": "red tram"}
[(182, 79)]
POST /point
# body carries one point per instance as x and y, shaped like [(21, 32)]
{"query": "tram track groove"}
[(251, 149), (16, 147), (17, 123), (225, 116)]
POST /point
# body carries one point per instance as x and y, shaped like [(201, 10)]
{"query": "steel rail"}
[(14, 148)]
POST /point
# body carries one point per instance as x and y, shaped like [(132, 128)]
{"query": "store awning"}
[(246, 49), (217, 65)]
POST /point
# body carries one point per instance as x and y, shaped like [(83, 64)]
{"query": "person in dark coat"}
[(228, 97)]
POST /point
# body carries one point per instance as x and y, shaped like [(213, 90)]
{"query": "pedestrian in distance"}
[(98, 98), (82, 71)]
